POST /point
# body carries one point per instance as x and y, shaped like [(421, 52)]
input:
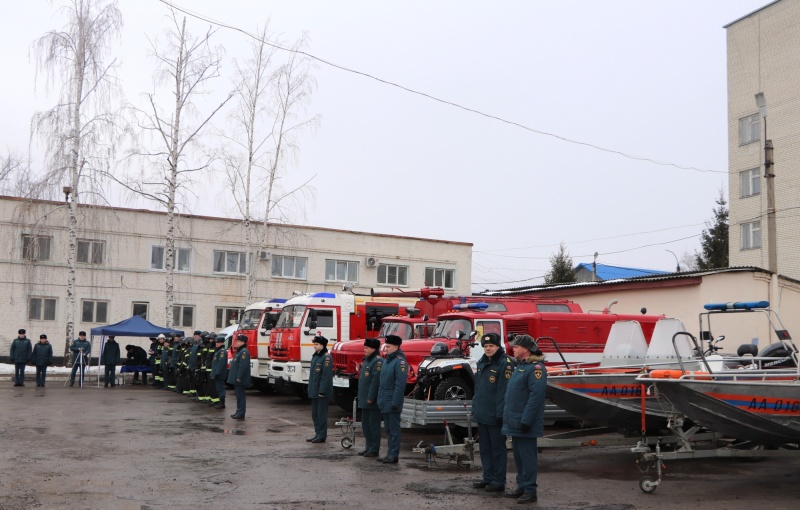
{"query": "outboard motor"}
[(777, 350)]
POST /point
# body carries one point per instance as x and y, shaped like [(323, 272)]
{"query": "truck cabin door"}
[(483, 327), (322, 321)]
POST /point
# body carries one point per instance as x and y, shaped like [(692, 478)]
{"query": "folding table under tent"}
[(134, 326)]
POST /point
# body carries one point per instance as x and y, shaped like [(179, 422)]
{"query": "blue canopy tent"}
[(134, 326)]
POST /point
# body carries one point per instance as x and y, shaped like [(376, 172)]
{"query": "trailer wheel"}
[(463, 462), (347, 443), (648, 484), (453, 388)]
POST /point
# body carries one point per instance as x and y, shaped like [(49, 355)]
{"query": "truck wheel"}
[(453, 388)]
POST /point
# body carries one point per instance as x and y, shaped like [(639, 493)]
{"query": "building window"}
[(751, 182), (437, 277), (36, 247), (749, 129), (341, 271), (41, 309), (227, 317), (90, 252), (392, 275), (141, 309), (94, 311), (289, 267), (751, 235), (230, 262), (183, 316), (182, 258)]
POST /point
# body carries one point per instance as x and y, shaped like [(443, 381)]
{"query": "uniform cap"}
[(372, 343), (394, 340), (198, 332), (220, 339), (526, 342), (82, 333), (491, 338), (42, 337), (21, 332), (242, 338), (320, 340)]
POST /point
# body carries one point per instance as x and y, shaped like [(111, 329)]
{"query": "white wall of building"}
[(125, 275)]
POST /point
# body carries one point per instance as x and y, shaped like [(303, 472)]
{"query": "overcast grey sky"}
[(644, 78)]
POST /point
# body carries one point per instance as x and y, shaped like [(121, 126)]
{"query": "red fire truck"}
[(581, 337), (256, 323), (337, 317)]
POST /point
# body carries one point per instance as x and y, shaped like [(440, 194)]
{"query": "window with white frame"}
[(94, 311), (90, 251), (749, 129), (341, 271), (392, 275), (750, 182), (140, 309), (751, 235), (439, 277), (36, 247), (230, 262), (183, 316), (227, 317), (182, 258), (42, 309), (289, 267)]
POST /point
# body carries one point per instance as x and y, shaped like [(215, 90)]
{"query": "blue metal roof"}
[(606, 272)]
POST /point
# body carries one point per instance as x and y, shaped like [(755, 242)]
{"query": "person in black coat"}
[(137, 357), (20, 355), (110, 358), (391, 391), (219, 370), (239, 375), (42, 357), (368, 380), (320, 388)]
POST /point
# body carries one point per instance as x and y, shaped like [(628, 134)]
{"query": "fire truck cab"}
[(336, 317), (256, 323)]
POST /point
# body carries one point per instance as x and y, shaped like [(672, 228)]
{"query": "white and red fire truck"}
[(256, 323)]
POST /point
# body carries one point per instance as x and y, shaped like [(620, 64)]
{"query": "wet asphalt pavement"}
[(133, 447)]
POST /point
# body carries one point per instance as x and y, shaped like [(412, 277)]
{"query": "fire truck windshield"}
[(449, 327), (400, 329), (250, 319), (291, 316)]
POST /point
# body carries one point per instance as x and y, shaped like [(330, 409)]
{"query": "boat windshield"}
[(291, 316), (448, 328)]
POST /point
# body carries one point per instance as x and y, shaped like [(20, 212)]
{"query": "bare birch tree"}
[(266, 126), (78, 131), (187, 65), (16, 178)]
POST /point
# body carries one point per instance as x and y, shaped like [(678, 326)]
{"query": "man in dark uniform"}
[(196, 345), (239, 375), (320, 388), (219, 370), (174, 354), (42, 358), (20, 354), (523, 416), (165, 355), (200, 370), (368, 381), (81, 355), (208, 361), (494, 371), (156, 345), (110, 358), (136, 357), (391, 390)]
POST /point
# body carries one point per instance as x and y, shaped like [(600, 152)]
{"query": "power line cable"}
[(437, 99)]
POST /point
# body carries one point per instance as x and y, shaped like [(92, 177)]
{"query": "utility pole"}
[(772, 235)]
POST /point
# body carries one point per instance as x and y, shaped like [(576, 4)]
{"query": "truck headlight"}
[(290, 369)]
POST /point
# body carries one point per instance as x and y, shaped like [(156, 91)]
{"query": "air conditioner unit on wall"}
[(371, 262), (263, 255)]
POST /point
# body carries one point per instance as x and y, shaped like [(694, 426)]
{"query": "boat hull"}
[(766, 412)]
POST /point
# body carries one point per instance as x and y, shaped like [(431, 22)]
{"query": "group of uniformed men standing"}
[(195, 367)]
